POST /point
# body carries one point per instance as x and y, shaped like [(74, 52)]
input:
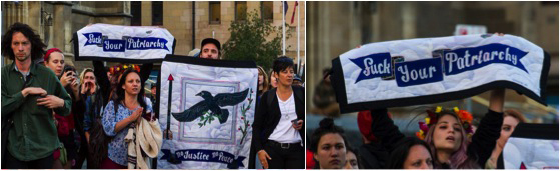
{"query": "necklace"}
[(284, 106)]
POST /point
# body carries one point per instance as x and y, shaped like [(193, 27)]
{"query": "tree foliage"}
[(249, 42)]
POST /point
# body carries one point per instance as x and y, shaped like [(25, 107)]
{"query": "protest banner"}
[(128, 44), (531, 146), (432, 70), (209, 106)]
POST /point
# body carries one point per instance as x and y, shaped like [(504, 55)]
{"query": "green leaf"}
[(248, 41)]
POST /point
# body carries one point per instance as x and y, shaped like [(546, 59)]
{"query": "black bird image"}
[(212, 103)]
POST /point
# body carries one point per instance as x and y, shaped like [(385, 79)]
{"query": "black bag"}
[(98, 144), (6, 126)]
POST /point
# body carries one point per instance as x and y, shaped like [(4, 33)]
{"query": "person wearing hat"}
[(54, 60), (371, 153), (210, 49), (297, 80)]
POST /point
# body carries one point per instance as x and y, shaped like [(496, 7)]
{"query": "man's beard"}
[(22, 59)]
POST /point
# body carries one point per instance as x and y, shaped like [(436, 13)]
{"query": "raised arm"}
[(497, 100), (484, 139), (102, 80), (384, 129), (145, 71), (61, 93)]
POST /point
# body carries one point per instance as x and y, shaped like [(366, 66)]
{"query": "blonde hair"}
[(270, 81), (83, 74), (266, 83)]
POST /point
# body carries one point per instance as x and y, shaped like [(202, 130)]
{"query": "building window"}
[(157, 13), (136, 11), (215, 13), (240, 11), (266, 10)]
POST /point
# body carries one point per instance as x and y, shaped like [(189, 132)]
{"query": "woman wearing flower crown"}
[(446, 133)]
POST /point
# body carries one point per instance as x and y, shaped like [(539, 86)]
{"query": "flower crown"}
[(465, 117), (121, 68)]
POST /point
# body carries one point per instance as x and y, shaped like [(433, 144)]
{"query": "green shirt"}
[(33, 135)]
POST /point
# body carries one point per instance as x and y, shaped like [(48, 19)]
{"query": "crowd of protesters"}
[(446, 141), (55, 117)]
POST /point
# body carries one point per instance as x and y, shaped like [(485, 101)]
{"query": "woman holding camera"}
[(65, 156)]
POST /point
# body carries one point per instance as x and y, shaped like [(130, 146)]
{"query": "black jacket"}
[(373, 156), (267, 116), (479, 150)]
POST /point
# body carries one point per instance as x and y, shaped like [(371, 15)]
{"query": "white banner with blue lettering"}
[(431, 70), (531, 146), (118, 43), (209, 106)]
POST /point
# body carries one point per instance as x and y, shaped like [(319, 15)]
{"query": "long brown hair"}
[(270, 80), (266, 83), (120, 91), (459, 159)]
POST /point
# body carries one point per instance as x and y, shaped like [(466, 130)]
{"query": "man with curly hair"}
[(30, 94)]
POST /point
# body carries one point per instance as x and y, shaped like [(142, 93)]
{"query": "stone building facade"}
[(178, 19), (56, 21)]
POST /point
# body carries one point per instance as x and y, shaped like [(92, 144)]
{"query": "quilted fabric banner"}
[(115, 43), (531, 146), (209, 106), (431, 70)]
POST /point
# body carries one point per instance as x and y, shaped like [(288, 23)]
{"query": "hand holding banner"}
[(431, 70)]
